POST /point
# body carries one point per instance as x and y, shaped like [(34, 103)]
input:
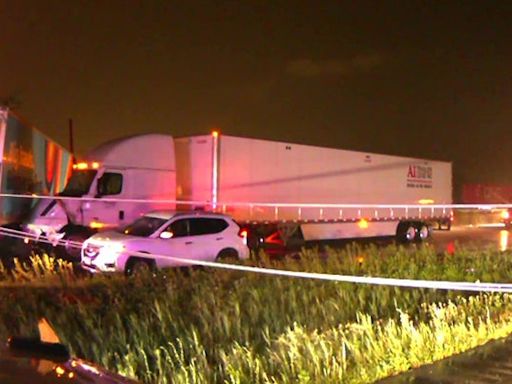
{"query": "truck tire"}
[(72, 234), (12, 247), (422, 232), (406, 232)]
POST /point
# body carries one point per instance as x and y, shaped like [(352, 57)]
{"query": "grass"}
[(213, 326)]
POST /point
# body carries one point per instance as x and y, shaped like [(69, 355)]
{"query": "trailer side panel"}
[(260, 171)]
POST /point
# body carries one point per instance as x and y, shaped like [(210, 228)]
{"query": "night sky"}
[(417, 78)]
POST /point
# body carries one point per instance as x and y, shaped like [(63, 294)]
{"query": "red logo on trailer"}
[(419, 176)]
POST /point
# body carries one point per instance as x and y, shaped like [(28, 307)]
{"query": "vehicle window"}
[(206, 226), (179, 228), (79, 183), (110, 184), (144, 226)]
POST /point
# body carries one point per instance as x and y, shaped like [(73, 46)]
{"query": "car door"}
[(205, 233), (173, 241)]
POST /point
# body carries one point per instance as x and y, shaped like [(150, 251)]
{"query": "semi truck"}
[(277, 191), (30, 163)]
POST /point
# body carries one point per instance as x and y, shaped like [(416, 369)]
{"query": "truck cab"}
[(110, 188)]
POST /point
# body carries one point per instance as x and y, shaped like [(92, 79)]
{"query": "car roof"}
[(169, 214)]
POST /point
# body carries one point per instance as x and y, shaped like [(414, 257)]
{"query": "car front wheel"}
[(139, 266)]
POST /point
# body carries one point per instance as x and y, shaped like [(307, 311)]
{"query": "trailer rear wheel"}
[(406, 232), (410, 233), (423, 232)]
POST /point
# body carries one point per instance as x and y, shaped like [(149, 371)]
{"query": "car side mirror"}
[(166, 235)]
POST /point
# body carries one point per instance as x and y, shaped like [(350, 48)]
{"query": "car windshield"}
[(144, 226), (79, 183)]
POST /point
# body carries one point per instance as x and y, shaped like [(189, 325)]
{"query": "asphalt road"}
[(489, 364), (494, 237)]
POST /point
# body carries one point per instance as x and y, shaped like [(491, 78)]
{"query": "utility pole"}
[(71, 141)]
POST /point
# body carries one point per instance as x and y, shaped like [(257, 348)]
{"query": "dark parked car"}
[(44, 360)]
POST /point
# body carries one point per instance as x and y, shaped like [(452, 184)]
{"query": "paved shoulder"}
[(491, 363)]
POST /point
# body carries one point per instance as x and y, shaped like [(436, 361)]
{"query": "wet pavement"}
[(468, 237), (494, 237), (491, 363)]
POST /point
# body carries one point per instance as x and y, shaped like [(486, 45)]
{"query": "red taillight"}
[(243, 233)]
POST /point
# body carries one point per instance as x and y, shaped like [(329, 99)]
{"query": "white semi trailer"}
[(274, 189)]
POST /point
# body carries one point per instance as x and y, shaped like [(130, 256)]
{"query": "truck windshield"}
[(79, 183), (144, 226)]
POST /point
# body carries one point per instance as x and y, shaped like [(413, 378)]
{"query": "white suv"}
[(150, 240)]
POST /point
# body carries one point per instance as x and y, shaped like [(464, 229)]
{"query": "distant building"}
[(487, 193)]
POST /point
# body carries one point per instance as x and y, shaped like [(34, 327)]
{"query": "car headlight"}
[(112, 248)]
